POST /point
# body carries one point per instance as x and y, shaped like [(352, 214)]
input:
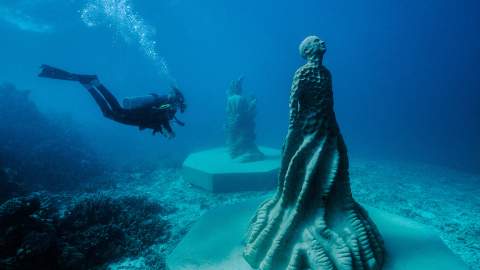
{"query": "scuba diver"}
[(152, 111)]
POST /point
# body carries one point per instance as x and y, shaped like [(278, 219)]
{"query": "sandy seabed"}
[(445, 199)]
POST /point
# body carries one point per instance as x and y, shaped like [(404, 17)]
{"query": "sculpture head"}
[(236, 87), (313, 48)]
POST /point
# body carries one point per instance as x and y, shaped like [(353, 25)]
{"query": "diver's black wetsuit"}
[(155, 115)]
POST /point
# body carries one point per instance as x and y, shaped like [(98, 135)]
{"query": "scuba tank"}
[(131, 103)]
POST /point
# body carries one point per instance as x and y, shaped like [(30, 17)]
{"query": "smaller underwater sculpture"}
[(240, 124), (313, 222)]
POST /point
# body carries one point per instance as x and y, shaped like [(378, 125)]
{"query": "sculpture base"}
[(215, 242), (215, 171)]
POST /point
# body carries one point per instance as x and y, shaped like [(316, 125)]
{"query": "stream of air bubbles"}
[(120, 16)]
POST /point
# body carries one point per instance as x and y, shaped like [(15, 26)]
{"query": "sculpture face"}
[(312, 48), (236, 87)]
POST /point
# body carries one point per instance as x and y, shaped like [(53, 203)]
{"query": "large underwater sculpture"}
[(240, 124), (313, 222)]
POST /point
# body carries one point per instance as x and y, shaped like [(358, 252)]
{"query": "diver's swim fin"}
[(47, 71)]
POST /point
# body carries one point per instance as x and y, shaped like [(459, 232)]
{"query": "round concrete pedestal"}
[(215, 242), (215, 171)]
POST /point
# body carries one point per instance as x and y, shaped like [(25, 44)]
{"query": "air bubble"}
[(122, 19)]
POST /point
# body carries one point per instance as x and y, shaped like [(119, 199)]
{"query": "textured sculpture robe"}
[(313, 222)]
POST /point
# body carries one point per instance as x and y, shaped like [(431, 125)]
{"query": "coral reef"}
[(54, 158), (92, 232), (113, 227), (240, 124), (313, 222), (28, 239)]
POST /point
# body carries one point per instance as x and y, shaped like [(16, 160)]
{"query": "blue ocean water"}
[(405, 73)]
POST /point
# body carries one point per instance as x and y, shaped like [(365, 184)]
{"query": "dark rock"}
[(55, 158), (18, 210), (71, 258), (8, 187), (28, 240)]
